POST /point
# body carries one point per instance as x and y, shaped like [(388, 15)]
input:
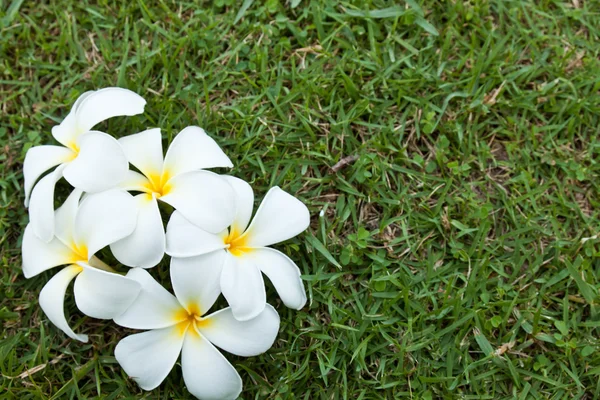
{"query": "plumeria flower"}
[(89, 160), (179, 325), (240, 253), (203, 197), (81, 230)]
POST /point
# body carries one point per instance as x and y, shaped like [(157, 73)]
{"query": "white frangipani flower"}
[(240, 254), (178, 325), (81, 230), (203, 197), (90, 160)]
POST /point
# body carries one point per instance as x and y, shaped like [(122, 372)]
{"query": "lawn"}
[(448, 152)]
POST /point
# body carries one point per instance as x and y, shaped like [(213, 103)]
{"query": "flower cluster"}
[(214, 243)]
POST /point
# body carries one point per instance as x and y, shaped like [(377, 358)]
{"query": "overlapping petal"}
[(52, 299), (94, 107), (192, 149), (242, 338), (145, 247), (144, 151), (196, 280), (280, 216), (40, 159), (64, 218), (148, 357), (244, 201), (66, 132), (185, 239), (204, 198), (102, 294), (243, 287), (134, 181), (41, 205), (104, 218), (39, 256), (100, 164), (154, 307), (207, 374)]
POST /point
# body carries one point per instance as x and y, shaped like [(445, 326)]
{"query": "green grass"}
[(452, 258)]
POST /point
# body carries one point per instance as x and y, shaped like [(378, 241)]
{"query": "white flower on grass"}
[(81, 230), (90, 160), (178, 325), (240, 253), (203, 197)]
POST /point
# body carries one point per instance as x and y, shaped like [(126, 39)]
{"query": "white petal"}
[(207, 374), (134, 181), (107, 103), (203, 198), (102, 294), (243, 287), (244, 197), (40, 159), (64, 218), (39, 256), (104, 218), (154, 307), (67, 132), (144, 151), (52, 300), (148, 357), (41, 205), (100, 165), (196, 280), (242, 338), (185, 239), (283, 273), (145, 247), (280, 216), (193, 149)]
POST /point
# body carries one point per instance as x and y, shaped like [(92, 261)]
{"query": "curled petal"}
[(100, 165), (39, 256), (203, 198), (185, 239), (207, 374), (196, 280), (66, 133), (192, 149), (280, 216), (149, 356), (243, 287), (242, 338), (41, 205), (64, 218), (104, 218), (108, 103), (283, 273), (52, 299), (154, 307), (38, 160), (145, 247), (102, 294), (144, 151), (244, 197)]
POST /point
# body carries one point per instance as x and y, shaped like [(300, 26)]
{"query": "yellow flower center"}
[(73, 146), (236, 242), (158, 184), (80, 253), (188, 317)]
